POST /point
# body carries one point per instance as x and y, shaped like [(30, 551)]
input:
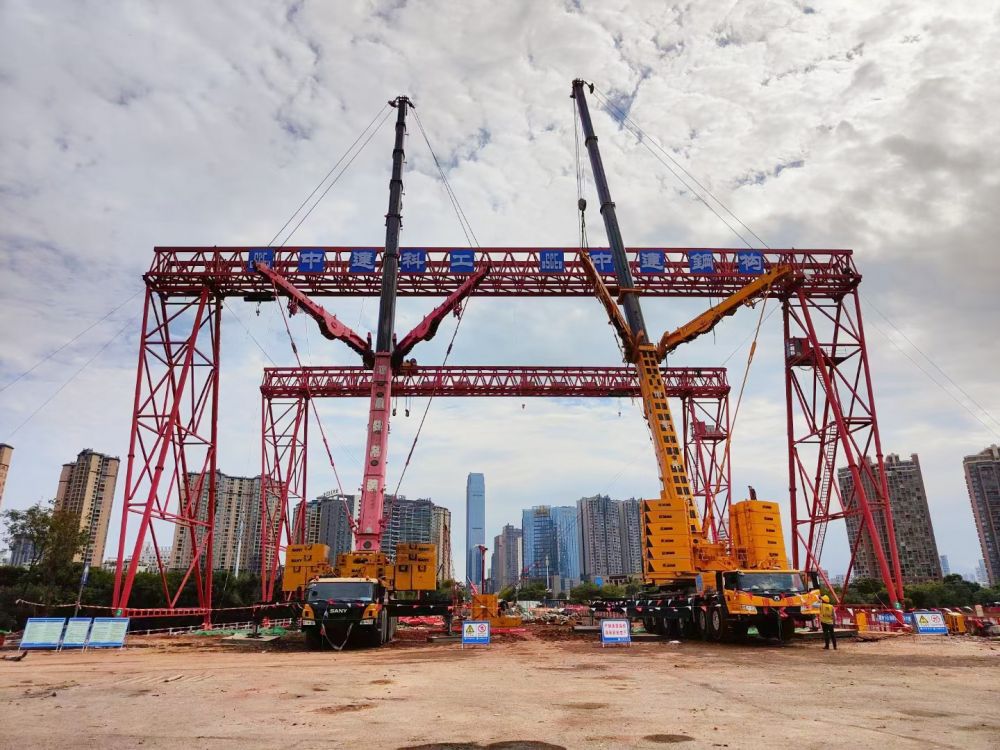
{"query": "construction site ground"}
[(544, 687)]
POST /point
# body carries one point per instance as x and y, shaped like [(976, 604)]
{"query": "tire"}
[(314, 641), (738, 631), (379, 632), (701, 623), (787, 629), (767, 629), (674, 631), (716, 624)]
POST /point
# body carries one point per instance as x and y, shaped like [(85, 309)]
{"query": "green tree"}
[(30, 525), (55, 539)]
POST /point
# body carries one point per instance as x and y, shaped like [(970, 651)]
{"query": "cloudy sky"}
[(870, 126)]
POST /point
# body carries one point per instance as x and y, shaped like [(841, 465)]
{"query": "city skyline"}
[(971, 572)]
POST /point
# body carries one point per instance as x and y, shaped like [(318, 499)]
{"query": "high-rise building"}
[(409, 521), (945, 567), (602, 534), (507, 557), (982, 477), (22, 551), (327, 522), (236, 530), (540, 544), (6, 452), (567, 572), (441, 538), (475, 525), (981, 575), (918, 554), (630, 512), (87, 490)]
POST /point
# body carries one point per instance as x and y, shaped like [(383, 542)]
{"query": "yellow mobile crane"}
[(713, 589)]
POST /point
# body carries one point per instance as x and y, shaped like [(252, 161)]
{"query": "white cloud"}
[(833, 125)]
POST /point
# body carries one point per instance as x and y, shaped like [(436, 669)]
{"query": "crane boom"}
[(671, 549), (714, 315)]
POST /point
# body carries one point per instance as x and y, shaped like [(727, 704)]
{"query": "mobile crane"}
[(695, 586), (361, 592)]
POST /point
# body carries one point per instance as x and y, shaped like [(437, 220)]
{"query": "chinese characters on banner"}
[(462, 261), (701, 261), (312, 260), (412, 261), (750, 262), (651, 261), (602, 260), (363, 260)]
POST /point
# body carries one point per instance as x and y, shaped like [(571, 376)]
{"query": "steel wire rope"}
[(298, 359), (930, 377), (643, 142), (288, 331), (326, 176), (71, 341), (932, 362), (643, 136), (335, 180), (469, 234), (74, 376), (305, 216)]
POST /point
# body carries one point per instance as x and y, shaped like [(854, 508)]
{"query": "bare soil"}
[(541, 689)]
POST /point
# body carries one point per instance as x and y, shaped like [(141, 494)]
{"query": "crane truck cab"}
[(772, 601), (338, 609)]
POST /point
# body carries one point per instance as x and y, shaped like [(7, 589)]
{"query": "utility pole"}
[(630, 300)]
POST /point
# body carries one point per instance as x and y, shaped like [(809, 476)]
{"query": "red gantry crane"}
[(170, 483)]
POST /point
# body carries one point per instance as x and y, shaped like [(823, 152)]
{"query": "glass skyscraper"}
[(475, 526)]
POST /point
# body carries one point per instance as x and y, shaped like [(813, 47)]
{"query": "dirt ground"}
[(532, 691)]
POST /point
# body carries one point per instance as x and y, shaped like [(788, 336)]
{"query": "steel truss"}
[(831, 419), (170, 478), (171, 470), (704, 395), (284, 436)]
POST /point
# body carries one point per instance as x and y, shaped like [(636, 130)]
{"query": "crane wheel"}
[(716, 621), (314, 641), (787, 629), (701, 623)]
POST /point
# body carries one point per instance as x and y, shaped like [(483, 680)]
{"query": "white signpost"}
[(614, 630)]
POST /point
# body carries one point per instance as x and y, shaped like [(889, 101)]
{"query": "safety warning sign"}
[(475, 633)]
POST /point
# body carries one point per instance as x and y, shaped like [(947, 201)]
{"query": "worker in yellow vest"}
[(826, 620)]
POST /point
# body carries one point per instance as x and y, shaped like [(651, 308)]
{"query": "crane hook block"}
[(582, 204)]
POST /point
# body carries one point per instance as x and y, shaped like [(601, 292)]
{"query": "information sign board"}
[(77, 630), (616, 631), (42, 632), (551, 261), (475, 633), (930, 623), (256, 255), (108, 632), (462, 261)]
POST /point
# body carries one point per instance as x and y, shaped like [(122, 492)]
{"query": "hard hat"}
[(826, 598)]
